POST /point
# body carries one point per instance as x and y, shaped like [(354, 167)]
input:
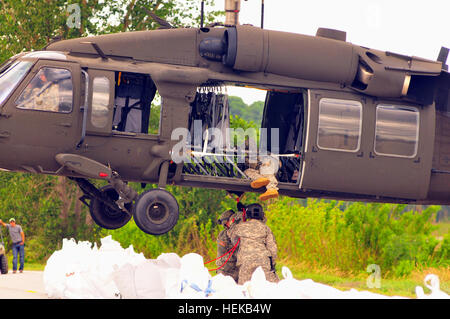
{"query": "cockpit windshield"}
[(11, 77)]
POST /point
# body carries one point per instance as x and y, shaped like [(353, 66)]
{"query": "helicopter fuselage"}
[(354, 123)]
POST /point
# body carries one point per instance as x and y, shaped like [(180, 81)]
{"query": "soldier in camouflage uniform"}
[(40, 94), (264, 175), (224, 245), (261, 169), (257, 245), (49, 99)]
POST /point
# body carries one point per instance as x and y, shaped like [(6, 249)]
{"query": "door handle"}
[(65, 124)]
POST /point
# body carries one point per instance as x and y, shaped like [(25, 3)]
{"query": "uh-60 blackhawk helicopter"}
[(362, 124)]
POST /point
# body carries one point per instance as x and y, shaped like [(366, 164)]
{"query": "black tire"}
[(156, 211), (106, 217), (3, 264)]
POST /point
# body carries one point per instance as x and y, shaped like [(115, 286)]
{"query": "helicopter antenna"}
[(262, 14), (202, 16)]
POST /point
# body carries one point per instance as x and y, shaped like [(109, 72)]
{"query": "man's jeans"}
[(18, 249)]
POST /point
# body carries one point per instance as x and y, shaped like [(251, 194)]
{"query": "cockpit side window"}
[(50, 90), (10, 76), (100, 101)]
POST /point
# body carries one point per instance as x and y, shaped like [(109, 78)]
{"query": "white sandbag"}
[(63, 265), (169, 269), (75, 287), (149, 283), (195, 279), (171, 259), (124, 278), (258, 287), (82, 270), (288, 287), (149, 279), (172, 283), (225, 287)]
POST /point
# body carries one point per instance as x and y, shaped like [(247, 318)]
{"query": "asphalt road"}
[(26, 285)]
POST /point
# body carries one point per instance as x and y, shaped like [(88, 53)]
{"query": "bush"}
[(35, 251), (349, 236), (443, 254), (316, 233), (403, 268)]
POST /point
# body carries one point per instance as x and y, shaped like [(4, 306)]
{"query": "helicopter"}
[(347, 122)]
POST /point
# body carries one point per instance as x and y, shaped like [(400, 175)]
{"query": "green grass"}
[(443, 228)]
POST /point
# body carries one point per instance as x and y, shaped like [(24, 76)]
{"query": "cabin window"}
[(339, 125), (100, 101), (397, 131), (50, 90)]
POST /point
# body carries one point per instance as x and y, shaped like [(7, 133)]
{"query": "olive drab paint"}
[(354, 123)]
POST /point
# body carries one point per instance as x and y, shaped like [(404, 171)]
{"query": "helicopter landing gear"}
[(106, 216), (107, 208), (156, 211)]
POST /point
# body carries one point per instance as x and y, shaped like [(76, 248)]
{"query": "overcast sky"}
[(411, 27)]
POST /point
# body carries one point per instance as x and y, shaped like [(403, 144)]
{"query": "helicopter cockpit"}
[(13, 71)]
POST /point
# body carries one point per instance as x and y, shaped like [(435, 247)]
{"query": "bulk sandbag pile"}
[(83, 271)]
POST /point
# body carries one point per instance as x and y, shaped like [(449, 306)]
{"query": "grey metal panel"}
[(365, 172), (174, 46)]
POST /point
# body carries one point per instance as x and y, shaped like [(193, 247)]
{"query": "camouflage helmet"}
[(225, 216)]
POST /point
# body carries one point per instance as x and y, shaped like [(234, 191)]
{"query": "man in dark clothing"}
[(18, 239)]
